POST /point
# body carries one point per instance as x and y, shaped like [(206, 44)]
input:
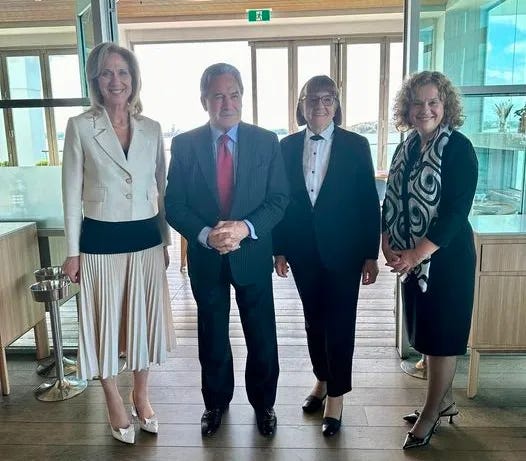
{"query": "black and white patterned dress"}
[(439, 316)]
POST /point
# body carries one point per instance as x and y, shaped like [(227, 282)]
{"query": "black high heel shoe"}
[(312, 403), (331, 426), (446, 412), (412, 441)]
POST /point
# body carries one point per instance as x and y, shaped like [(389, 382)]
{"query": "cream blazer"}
[(99, 182)]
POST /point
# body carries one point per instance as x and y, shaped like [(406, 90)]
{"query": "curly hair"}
[(447, 92), (94, 67)]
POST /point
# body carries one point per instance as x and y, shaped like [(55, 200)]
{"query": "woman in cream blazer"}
[(113, 181)]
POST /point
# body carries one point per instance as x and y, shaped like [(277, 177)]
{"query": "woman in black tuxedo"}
[(330, 237)]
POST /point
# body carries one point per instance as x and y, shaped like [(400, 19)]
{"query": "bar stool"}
[(50, 292), (47, 368)]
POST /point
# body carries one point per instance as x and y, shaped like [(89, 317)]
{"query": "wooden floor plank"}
[(490, 427)]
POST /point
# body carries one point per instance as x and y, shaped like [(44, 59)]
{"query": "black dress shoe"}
[(211, 420), (312, 404), (331, 426), (266, 421)]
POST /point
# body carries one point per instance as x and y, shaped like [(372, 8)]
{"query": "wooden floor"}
[(490, 427)]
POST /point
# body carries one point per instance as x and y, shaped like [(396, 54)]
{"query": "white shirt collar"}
[(326, 134)]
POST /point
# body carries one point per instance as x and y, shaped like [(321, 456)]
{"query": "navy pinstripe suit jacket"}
[(260, 195)]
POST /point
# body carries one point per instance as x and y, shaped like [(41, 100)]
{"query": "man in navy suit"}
[(226, 191)]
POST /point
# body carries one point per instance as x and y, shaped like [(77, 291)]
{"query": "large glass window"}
[(273, 91), (64, 76), (25, 79), (480, 45), (363, 92), (172, 96), (506, 44), (31, 136), (313, 60), (396, 60), (171, 73), (37, 133)]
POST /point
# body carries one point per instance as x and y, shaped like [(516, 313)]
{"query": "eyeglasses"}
[(327, 100)]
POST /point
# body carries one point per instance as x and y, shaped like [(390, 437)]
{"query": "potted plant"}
[(521, 113), (503, 109)]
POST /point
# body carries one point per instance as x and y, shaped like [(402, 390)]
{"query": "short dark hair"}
[(94, 67), (215, 70), (313, 85), (446, 91)]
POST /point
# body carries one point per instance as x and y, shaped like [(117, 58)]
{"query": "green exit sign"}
[(259, 15)]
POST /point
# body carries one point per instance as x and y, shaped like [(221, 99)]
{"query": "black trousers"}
[(256, 311), (329, 301)]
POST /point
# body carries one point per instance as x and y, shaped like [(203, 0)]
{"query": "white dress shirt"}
[(316, 155)]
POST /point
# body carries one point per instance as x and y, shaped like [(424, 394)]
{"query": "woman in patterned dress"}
[(426, 236)]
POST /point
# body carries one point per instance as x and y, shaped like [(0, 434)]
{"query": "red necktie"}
[(225, 175)]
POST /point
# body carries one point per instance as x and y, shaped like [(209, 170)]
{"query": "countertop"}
[(499, 224), (7, 228)]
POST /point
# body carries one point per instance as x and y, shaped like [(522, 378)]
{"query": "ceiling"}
[(25, 13)]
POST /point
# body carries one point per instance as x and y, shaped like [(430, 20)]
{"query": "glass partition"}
[(32, 194), (500, 150)]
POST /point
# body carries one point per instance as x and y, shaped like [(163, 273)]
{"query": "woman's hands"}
[(71, 267), (388, 252), (403, 261), (369, 271), (281, 266)]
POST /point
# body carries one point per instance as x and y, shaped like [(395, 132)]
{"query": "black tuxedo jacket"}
[(260, 196), (343, 227)]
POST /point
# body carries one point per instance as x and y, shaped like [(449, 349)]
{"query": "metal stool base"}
[(64, 389), (47, 367), (416, 369)]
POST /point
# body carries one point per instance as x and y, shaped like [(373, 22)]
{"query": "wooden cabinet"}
[(499, 310), (19, 258)]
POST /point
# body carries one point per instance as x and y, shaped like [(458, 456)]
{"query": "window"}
[(363, 94), (480, 46), (273, 90), (171, 73), (50, 77)]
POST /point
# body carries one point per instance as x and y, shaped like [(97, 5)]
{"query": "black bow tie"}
[(316, 137)]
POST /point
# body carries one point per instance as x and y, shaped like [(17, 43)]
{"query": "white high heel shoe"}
[(126, 435), (147, 424)]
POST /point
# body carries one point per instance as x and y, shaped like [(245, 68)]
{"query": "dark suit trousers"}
[(329, 301), (256, 311)]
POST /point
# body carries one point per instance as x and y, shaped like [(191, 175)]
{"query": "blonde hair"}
[(448, 94), (94, 67)]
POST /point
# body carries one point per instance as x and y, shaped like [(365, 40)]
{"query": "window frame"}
[(48, 103)]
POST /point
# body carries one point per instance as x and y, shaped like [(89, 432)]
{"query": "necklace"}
[(120, 127)]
